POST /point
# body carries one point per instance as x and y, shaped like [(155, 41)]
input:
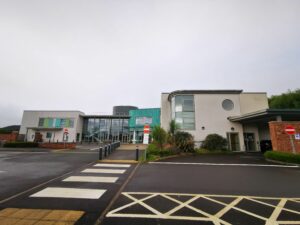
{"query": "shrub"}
[(153, 152), (214, 142), (184, 141), (283, 156), (21, 145), (160, 136)]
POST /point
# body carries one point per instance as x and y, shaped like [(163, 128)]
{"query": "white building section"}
[(56, 192), (91, 179)]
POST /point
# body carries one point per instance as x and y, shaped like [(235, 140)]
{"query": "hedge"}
[(283, 157), (21, 145)]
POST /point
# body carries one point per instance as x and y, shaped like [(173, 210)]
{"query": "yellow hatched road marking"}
[(232, 204)]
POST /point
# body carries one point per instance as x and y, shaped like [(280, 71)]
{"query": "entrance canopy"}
[(267, 115)]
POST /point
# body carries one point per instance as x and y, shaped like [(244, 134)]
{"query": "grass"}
[(283, 157)]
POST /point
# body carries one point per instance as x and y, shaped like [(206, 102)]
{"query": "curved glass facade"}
[(183, 111)]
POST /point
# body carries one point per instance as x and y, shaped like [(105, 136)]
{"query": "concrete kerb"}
[(283, 163)]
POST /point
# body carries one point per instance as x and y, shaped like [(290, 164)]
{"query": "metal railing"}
[(106, 150)]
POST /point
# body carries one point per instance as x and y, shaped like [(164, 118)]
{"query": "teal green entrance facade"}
[(139, 118)]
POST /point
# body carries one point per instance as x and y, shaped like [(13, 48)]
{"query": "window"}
[(183, 111), (228, 105), (48, 135), (41, 122)]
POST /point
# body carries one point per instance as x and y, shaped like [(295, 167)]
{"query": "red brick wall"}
[(9, 137), (280, 140), (57, 145)]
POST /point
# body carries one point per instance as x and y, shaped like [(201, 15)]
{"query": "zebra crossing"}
[(102, 173)]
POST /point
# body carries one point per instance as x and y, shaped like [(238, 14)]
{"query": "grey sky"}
[(92, 55)]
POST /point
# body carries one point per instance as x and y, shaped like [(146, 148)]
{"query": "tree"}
[(214, 142), (173, 128), (160, 136), (288, 100)]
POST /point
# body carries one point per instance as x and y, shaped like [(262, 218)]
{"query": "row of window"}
[(56, 122)]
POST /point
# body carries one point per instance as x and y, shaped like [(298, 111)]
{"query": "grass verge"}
[(283, 157)]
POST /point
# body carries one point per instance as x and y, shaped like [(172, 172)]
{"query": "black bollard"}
[(105, 150), (137, 153), (100, 153)]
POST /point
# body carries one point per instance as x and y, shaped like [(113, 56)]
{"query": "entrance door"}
[(233, 141), (249, 140)]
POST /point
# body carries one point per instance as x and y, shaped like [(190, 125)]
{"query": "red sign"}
[(289, 129), (146, 129)]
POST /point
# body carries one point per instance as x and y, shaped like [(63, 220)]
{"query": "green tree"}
[(173, 128), (288, 100), (159, 136)]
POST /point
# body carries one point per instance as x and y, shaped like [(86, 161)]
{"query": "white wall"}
[(165, 114), (30, 119)]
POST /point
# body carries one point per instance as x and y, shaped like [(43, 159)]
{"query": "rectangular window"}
[(48, 135), (41, 122), (183, 111)]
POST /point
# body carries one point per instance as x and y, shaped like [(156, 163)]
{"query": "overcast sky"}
[(91, 55)]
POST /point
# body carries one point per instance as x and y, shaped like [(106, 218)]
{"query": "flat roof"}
[(54, 111), (293, 114), (186, 92)]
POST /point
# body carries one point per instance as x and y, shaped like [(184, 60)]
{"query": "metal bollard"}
[(105, 150), (109, 149), (137, 153), (100, 153)]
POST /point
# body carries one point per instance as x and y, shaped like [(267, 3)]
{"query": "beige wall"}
[(251, 102)]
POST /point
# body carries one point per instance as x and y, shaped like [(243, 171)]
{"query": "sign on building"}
[(143, 120)]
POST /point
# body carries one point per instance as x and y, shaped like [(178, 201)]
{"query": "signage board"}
[(297, 136), (289, 129)]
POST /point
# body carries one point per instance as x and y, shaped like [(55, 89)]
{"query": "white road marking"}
[(91, 179), (55, 192), (103, 171), (2, 171), (201, 210), (112, 165), (223, 164)]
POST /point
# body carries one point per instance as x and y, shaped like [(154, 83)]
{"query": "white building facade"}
[(52, 126), (204, 112)]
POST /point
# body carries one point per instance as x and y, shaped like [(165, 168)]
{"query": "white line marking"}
[(93, 149), (2, 171), (112, 165), (55, 192), (91, 179), (103, 171), (223, 164)]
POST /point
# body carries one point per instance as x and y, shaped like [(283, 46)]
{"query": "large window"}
[(183, 111), (56, 122)]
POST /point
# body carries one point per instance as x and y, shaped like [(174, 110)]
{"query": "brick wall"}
[(281, 140), (57, 145), (9, 137)]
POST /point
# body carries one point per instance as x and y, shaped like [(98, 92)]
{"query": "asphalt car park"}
[(243, 189)]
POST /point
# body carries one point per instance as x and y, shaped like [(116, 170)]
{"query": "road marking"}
[(223, 164), (201, 214), (103, 171), (112, 165), (56, 192), (2, 171), (91, 179)]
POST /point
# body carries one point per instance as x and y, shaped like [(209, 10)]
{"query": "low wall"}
[(280, 139), (58, 145), (9, 137)]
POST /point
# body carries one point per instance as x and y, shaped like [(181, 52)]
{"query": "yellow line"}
[(276, 212)]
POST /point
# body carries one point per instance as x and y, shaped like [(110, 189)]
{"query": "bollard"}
[(100, 153), (105, 150), (109, 149), (137, 153)]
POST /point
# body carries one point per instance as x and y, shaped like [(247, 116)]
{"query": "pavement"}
[(72, 187)]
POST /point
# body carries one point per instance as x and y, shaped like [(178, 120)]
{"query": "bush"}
[(21, 145), (153, 152), (283, 157), (159, 136), (184, 141), (214, 142)]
